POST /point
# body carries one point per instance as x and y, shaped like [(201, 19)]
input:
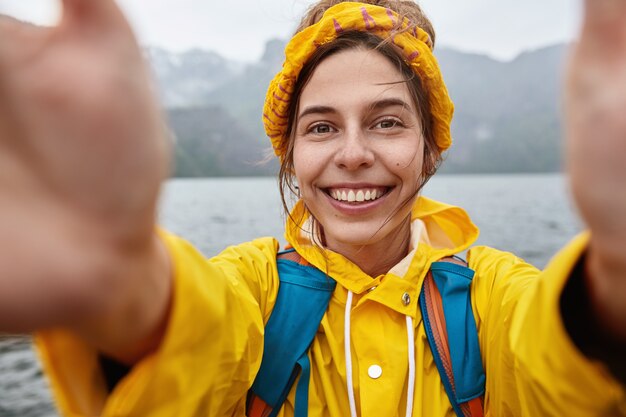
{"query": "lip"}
[(356, 185)]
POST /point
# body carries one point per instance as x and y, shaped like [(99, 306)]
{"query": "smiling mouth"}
[(358, 195)]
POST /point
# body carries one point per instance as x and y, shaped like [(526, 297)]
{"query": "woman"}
[(359, 117)]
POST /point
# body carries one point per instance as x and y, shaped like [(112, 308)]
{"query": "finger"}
[(93, 12), (605, 21), (16, 35), (10, 28)]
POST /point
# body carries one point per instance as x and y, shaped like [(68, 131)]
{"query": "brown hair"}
[(365, 40)]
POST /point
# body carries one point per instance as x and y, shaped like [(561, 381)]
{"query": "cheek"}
[(407, 157), (310, 158), (300, 162), (305, 166)]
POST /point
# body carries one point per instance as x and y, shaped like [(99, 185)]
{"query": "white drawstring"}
[(348, 354), (411, 348)]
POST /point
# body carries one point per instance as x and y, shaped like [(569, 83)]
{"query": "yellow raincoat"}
[(214, 341)]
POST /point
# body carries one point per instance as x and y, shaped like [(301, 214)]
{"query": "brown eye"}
[(321, 129), (387, 124)]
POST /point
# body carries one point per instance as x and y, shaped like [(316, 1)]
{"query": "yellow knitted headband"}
[(415, 44)]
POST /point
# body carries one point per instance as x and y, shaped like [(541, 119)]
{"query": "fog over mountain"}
[(506, 118)]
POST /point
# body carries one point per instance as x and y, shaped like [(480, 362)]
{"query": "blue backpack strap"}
[(302, 300), (452, 334)]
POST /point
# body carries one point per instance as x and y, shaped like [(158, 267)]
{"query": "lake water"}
[(530, 215)]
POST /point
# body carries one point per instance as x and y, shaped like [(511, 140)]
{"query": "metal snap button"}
[(406, 299)]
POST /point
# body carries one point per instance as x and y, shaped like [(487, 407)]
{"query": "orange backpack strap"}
[(452, 334), (256, 407), (293, 256)]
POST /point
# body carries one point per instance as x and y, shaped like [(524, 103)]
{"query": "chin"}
[(360, 236)]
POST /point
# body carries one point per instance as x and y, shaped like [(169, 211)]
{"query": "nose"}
[(355, 151)]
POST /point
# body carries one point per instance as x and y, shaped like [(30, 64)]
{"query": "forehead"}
[(354, 76)]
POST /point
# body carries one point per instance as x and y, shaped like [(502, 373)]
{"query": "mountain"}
[(506, 117), (185, 79), (507, 113), (210, 142)]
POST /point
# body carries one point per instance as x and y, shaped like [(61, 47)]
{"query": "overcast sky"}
[(238, 29)]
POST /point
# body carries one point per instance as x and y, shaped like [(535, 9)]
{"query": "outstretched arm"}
[(596, 154), (83, 151)]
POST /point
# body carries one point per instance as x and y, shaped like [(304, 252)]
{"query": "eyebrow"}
[(379, 104), (316, 110), (390, 102)]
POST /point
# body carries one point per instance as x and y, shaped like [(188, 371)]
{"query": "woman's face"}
[(358, 150)]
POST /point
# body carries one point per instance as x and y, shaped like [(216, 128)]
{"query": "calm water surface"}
[(529, 215)]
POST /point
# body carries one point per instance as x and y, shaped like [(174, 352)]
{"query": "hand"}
[(83, 151), (596, 149)]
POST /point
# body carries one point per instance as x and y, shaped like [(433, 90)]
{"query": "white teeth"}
[(356, 195)]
